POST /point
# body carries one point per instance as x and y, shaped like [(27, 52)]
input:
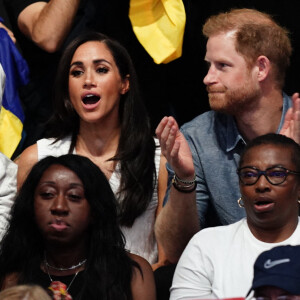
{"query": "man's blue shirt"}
[(216, 145)]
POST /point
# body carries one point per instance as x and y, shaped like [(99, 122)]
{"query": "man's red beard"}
[(232, 101)]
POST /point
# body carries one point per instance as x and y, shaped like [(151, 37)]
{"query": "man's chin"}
[(219, 104), (225, 105)]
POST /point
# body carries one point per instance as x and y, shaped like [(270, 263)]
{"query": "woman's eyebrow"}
[(96, 61), (76, 63)]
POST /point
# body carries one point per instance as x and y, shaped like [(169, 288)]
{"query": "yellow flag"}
[(159, 27)]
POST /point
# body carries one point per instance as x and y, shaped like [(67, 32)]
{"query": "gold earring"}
[(240, 202)]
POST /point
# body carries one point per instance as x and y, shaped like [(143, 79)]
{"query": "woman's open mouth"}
[(264, 205), (90, 101)]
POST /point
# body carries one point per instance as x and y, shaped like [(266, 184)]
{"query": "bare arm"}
[(162, 187), (25, 162), (47, 24), (178, 220), (142, 283)]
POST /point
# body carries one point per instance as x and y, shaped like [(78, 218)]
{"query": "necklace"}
[(47, 269), (63, 269)]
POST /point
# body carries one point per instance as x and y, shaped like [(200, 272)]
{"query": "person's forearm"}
[(177, 223), (49, 27)]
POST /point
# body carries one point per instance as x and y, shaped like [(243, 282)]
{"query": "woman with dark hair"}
[(218, 262), (64, 233), (100, 114)]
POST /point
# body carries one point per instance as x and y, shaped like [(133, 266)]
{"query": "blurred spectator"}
[(24, 292), (277, 274)]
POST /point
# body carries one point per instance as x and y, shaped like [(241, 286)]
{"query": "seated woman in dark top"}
[(64, 234)]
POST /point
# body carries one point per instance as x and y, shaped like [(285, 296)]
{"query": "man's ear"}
[(125, 85), (263, 67)]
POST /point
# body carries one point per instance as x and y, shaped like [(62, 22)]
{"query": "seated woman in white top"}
[(98, 113), (218, 262)]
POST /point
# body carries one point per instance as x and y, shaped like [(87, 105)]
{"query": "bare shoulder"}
[(142, 284), (10, 280), (25, 162), (142, 262)]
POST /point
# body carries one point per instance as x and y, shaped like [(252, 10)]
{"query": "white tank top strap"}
[(48, 147)]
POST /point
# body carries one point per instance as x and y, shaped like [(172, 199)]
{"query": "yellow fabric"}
[(10, 132), (159, 27)]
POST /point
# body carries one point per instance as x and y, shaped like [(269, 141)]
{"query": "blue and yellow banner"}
[(11, 113)]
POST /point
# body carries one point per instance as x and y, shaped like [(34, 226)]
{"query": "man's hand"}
[(291, 125), (175, 148), (10, 33), (178, 220)]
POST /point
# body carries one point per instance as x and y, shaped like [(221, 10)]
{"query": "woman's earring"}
[(298, 200), (240, 202)]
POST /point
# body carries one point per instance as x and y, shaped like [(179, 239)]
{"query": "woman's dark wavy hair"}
[(276, 140), (108, 270), (136, 147)]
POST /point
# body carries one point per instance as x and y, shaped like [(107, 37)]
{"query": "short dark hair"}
[(108, 269), (277, 140)]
